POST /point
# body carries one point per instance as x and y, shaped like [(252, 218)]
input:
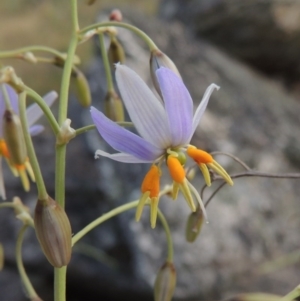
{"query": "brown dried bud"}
[(116, 15), (83, 89), (1, 257), (194, 225), (113, 107), (53, 231), (159, 59), (165, 282), (14, 138), (116, 52)]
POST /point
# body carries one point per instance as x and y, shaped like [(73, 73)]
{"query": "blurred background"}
[(251, 49)]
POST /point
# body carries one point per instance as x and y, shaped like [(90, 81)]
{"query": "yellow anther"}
[(151, 181), (3, 149), (176, 170), (199, 155)]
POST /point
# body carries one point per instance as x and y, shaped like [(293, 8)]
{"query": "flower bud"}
[(14, 138), (159, 59), (165, 282), (83, 89), (116, 15), (1, 257), (194, 225), (53, 231), (113, 107), (116, 52)]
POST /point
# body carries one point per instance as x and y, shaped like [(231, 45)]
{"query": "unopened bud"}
[(116, 15), (159, 59), (194, 225), (53, 231), (114, 107), (1, 257), (116, 52), (14, 137), (83, 89), (165, 282)]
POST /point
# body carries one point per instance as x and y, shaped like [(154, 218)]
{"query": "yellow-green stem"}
[(60, 165), (109, 81), (47, 112), (164, 222), (25, 280), (42, 192), (295, 293), (152, 46), (17, 52)]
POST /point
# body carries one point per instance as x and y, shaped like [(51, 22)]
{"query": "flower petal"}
[(34, 112), (36, 129), (178, 104), (202, 106), (123, 140), (2, 188), (145, 110), (121, 157)]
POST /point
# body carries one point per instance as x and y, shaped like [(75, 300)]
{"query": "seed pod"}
[(165, 282), (116, 52), (113, 107), (159, 59), (14, 138), (53, 231), (83, 89), (1, 257), (194, 225)]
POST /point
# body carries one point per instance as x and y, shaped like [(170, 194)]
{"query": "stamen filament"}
[(205, 173), (221, 171)]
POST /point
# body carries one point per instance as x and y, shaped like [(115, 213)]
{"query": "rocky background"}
[(255, 116)]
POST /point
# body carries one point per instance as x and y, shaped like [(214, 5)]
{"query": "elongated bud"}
[(53, 231), (165, 282), (83, 89), (14, 137), (159, 59), (1, 257), (194, 225), (113, 107), (116, 52)]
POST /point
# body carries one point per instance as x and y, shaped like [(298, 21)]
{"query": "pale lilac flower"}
[(33, 113), (165, 131)]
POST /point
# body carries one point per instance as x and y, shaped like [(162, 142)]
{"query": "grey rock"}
[(263, 33)]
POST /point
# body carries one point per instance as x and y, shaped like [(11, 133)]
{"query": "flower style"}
[(165, 130), (33, 113)]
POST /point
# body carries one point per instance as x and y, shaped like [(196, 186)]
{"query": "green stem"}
[(42, 192), (60, 274), (7, 205), (168, 234), (102, 219), (47, 111), (16, 52), (25, 280), (109, 81), (152, 46), (295, 293)]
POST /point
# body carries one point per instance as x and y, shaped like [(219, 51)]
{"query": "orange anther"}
[(151, 182), (176, 169), (199, 155), (3, 149)]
